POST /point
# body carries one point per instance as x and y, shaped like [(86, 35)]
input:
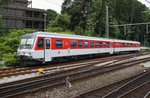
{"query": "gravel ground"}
[(87, 84), (147, 64)]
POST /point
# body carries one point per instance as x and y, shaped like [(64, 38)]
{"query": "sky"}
[(56, 4), (48, 4), (144, 2)]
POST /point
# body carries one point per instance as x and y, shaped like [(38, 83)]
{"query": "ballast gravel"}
[(85, 85)]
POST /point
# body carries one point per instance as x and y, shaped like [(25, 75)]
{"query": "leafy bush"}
[(61, 23), (9, 44), (78, 30), (55, 29), (68, 32)]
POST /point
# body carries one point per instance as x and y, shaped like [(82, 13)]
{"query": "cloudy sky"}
[(47, 4), (56, 4)]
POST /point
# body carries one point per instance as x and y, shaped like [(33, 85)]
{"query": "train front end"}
[(25, 51)]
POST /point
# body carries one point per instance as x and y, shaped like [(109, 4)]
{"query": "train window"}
[(117, 44), (96, 44), (47, 43), (101, 44), (73, 43), (121, 44), (23, 41), (104, 44), (26, 43), (80, 43), (86, 44), (125, 44), (91, 44), (130, 45), (59, 43), (40, 43), (107, 43)]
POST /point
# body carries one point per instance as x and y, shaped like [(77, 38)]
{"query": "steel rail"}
[(128, 86), (134, 89), (147, 95), (99, 92)]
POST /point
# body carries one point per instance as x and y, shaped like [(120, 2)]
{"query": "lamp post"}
[(45, 14), (107, 22)]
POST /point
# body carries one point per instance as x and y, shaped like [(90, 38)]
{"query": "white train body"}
[(44, 47)]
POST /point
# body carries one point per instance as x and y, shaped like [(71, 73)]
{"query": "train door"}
[(47, 51), (111, 48)]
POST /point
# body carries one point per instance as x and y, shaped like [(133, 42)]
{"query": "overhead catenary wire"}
[(53, 3)]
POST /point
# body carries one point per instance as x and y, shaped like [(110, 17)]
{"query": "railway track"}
[(55, 79), (20, 71), (8, 72), (100, 92), (137, 88)]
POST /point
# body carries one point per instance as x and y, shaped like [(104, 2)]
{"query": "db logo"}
[(58, 52)]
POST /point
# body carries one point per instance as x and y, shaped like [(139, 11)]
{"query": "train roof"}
[(47, 34)]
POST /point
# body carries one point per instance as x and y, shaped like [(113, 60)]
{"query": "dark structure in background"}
[(20, 15)]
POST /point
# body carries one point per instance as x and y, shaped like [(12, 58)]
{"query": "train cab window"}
[(101, 44), (96, 44), (73, 43), (86, 44), (59, 43), (91, 44), (47, 43), (80, 43), (40, 43)]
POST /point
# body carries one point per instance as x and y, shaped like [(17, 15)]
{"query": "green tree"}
[(78, 11), (51, 14), (90, 16), (9, 44), (61, 23)]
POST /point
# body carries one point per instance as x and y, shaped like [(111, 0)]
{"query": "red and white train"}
[(45, 47)]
